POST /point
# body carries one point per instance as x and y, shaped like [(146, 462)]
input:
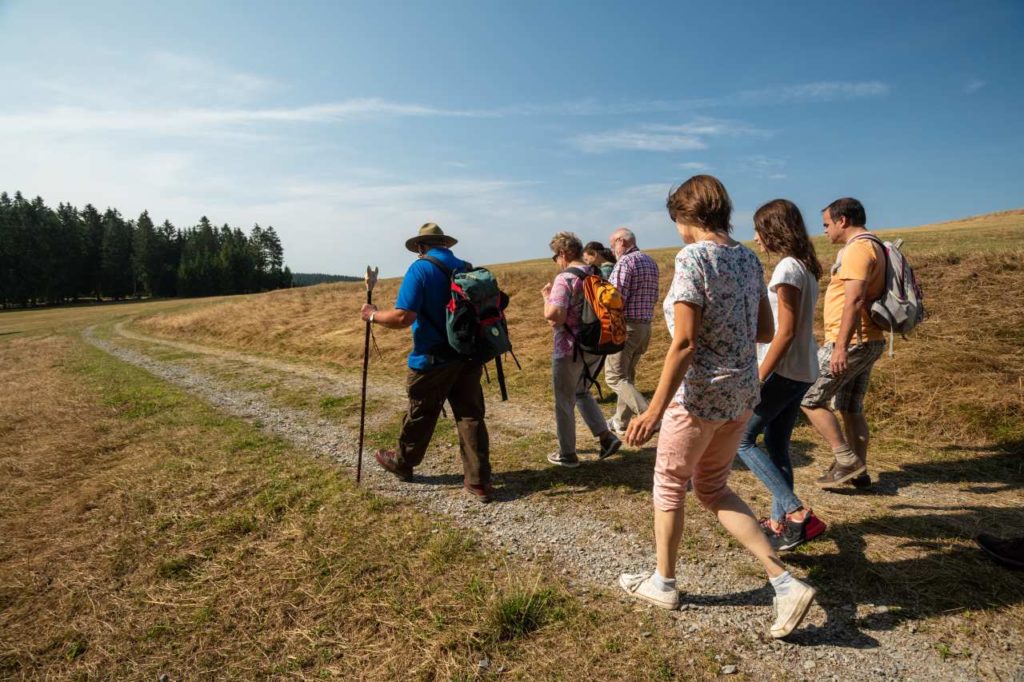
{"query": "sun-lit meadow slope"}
[(947, 414), (955, 381), (138, 526), (143, 532)]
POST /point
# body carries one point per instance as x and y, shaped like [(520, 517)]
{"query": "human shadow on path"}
[(940, 579), (997, 469)]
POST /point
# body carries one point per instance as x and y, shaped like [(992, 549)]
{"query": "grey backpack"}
[(900, 308)]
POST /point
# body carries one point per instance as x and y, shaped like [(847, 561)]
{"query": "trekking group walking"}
[(741, 366)]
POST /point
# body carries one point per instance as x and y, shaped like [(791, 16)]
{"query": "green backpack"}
[(475, 321)]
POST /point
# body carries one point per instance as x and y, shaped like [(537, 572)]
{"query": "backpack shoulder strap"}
[(441, 266), (872, 238), (579, 272), (868, 235)]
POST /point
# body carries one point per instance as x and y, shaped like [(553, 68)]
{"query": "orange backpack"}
[(602, 320)]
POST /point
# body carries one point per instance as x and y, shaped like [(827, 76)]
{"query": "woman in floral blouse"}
[(716, 310)]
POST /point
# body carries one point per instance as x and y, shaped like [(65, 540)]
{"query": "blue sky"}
[(346, 125)]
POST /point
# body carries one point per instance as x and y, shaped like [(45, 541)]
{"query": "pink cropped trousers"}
[(701, 450)]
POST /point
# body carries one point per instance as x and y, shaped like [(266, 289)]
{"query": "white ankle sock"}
[(783, 583), (663, 584), (845, 456)]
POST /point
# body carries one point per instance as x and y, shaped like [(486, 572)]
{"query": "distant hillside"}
[(955, 380), (305, 279)]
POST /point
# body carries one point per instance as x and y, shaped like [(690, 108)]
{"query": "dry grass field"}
[(956, 381), (144, 533), (139, 529)]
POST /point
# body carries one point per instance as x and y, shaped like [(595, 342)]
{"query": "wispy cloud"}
[(695, 166), (191, 121), (973, 86), (818, 91), (636, 140), (662, 137), (822, 91), (764, 167), (190, 73)]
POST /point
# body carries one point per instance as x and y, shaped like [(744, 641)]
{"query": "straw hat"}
[(430, 233)]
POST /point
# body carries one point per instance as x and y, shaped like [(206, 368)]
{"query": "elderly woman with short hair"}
[(573, 371)]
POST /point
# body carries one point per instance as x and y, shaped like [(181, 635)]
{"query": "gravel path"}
[(722, 609)]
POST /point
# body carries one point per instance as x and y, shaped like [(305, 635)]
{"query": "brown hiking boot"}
[(484, 493), (838, 474), (389, 460)]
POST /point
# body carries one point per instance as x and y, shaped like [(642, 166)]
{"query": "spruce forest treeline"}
[(56, 256), (305, 279)]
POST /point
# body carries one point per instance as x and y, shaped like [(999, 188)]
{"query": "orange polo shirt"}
[(861, 259)]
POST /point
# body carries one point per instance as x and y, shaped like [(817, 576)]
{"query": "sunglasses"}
[(554, 258)]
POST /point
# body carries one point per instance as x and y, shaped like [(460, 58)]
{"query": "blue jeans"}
[(775, 416)]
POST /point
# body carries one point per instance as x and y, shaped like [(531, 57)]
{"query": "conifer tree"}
[(92, 272), (145, 266), (116, 255)]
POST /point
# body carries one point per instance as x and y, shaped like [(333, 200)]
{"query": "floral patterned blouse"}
[(727, 282)]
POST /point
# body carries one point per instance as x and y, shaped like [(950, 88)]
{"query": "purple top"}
[(636, 277), (567, 293)]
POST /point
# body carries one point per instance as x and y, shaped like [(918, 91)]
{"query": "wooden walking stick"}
[(371, 280)]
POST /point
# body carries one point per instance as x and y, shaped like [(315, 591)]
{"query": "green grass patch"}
[(523, 611)]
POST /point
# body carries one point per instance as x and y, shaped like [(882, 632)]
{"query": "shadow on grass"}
[(997, 469), (947, 573), (943, 579)]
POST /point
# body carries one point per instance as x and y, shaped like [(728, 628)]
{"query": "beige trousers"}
[(620, 373)]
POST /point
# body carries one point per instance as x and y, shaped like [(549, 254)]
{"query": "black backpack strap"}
[(439, 328), (590, 378), (579, 272), (441, 266)]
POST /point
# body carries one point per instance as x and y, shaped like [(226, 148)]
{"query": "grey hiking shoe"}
[(609, 447), (838, 474), (568, 461)]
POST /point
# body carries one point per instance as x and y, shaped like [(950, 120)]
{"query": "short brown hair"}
[(781, 228), (848, 208), (567, 243), (701, 200)]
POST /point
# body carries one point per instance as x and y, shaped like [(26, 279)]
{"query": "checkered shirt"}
[(636, 277)]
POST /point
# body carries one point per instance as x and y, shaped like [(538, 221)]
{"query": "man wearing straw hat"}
[(436, 372)]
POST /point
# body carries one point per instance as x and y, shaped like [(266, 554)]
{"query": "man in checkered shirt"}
[(636, 277)]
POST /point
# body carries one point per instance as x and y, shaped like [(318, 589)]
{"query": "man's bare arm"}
[(396, 318)]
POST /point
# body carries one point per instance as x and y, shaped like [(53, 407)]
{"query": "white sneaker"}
[(641, 586), (791, 609)]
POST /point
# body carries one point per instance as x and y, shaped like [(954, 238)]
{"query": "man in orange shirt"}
[(852, 343)]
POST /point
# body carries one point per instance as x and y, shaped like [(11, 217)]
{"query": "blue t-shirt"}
[(426, 291)]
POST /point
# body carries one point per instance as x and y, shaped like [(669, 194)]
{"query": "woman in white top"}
[(786, 367)]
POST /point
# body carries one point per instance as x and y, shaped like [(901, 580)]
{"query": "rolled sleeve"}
[(690, 282)]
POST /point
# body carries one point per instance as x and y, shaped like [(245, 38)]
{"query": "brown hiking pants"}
[(459, 383)]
